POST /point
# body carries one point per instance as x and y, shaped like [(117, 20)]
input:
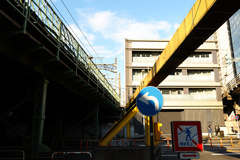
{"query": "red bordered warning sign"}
[(187, 136)]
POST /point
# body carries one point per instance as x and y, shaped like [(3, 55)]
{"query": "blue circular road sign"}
[(149, 101), (236, 117)]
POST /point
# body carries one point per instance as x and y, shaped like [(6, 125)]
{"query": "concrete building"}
[(234, 23), (225, 54), (229, 55), (191, 93)]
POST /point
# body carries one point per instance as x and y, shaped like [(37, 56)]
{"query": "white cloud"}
[(100, 21), (176, 25), (110, 26), (114, 27), (138, 30), (102, 51), (77, 33)]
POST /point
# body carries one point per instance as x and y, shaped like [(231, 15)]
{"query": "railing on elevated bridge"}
[(40, 12), (233, 83)]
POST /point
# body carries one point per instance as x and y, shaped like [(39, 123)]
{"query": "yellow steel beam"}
[(118, 126), (204, 18)]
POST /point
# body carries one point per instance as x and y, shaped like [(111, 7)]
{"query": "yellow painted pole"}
[(147, 131)]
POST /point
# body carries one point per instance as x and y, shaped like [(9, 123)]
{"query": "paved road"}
[(215, 153), (206, 155)]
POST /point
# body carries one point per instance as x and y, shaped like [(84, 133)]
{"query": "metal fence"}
[(86, 145), (71, 156), (233, 83), (41, 15), (12, 155)]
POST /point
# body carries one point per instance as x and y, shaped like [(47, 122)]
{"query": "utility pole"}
[(111, 68), (119, 80)]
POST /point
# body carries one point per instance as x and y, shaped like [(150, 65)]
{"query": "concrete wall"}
[(207, 117)]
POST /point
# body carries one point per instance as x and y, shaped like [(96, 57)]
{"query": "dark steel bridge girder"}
[(38, 56)]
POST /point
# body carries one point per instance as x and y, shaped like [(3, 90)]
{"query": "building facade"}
[(229, 55), (234, 23), (225, 54), (191, 93)]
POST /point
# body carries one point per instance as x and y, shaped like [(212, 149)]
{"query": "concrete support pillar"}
[(39, 117), (95, 122)]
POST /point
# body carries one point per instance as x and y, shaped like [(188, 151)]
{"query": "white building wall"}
[(188, 94), (224, 53), (144, 64)]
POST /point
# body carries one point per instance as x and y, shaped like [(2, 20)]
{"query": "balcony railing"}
[(189, 97), (149, 61), (181, 78), (198, 60), (189, 78), (144, 59)]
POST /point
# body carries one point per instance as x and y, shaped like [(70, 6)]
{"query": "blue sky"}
[(106, 23)]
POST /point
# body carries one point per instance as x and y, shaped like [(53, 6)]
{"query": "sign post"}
[(149, 102), (151, 139), (237, 117), (187, 139)]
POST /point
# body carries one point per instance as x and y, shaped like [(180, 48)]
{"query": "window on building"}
[(156, 54), (200, 55), (136, 72), (172, 91), (145, 55), (134, 89), (142, 56), (136, 55), (139, 74), (176, 72), (201, 91), (204, 55), (200, 72)]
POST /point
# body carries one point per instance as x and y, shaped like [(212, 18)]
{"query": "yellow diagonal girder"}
[(204, 18), (120, 124)]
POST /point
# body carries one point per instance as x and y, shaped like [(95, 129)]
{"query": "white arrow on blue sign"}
[(149, 101)]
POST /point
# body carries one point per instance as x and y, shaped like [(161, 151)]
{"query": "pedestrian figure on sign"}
[(209, 131), (188, 132)]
